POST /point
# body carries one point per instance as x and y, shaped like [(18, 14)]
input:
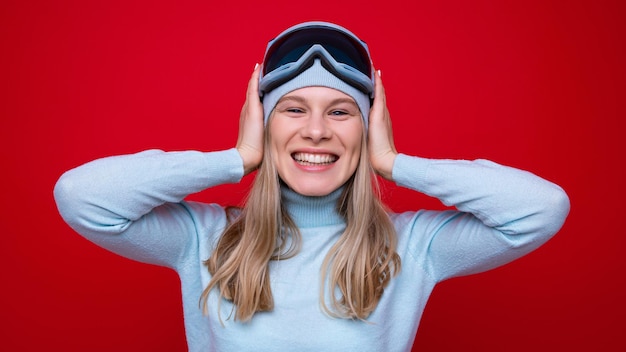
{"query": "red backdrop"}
[(538, 85)]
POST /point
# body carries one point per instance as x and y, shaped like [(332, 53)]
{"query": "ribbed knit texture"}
[(312, 211)]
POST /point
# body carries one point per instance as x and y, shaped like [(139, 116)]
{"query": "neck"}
[(307, 211)]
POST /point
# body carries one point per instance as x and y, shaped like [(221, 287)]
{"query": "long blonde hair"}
[(360, 264)]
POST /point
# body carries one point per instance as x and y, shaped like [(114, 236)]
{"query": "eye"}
[(291, 110), (339, 114)]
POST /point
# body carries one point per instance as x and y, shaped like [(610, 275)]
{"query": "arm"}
[(503, 214), (130, 204)]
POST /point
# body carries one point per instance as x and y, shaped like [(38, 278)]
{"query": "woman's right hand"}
[(251, 126)]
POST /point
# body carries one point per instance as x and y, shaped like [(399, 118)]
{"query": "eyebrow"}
[(300, 99), (295, 98)]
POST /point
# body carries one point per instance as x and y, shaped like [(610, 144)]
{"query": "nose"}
[(316, 128)]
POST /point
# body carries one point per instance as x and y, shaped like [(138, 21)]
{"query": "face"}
[(315, 139)]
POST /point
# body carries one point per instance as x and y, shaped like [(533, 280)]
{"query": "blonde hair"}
[(360, 264)]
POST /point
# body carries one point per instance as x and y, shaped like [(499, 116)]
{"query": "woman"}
[(313, 262)]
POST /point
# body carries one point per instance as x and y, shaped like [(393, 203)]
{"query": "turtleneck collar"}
[(308, 211)]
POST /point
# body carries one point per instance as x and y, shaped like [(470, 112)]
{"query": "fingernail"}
[(380, 73), (256, 65)]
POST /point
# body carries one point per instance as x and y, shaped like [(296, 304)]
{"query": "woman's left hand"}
[(380, 145)]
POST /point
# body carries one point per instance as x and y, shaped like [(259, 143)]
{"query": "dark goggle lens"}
[(343, 49)]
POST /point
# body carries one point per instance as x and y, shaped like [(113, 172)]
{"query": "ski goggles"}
[(340, 51)]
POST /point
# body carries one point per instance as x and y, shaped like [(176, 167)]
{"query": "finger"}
[(251, 126), (380, 100), (252, 91), (253, 84), (380, 111), (252, 97)]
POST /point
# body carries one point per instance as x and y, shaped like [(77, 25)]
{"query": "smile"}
[(314, 159)]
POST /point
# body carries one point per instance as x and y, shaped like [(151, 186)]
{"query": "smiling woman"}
[(315, 139), (313, 259)]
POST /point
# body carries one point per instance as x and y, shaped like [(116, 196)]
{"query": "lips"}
[(314, 159)]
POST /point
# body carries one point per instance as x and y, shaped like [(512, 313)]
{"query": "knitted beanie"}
[(318, 76)]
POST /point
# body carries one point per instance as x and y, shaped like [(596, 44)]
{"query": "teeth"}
[(314, 158)]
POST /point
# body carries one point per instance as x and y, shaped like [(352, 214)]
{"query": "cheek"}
[(274, 136), (353, 145), (277, 145), (357, 155), (275, 152), (355, 135)]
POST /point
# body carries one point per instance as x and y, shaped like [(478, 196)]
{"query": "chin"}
[(311, 190)]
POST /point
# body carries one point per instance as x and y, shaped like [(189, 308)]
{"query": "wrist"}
[(249, 159), (384, 166)]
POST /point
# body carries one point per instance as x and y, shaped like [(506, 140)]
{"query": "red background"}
[(538, 85)]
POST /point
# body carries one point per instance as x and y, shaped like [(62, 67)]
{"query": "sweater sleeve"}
[(503, 213), (133, 204)]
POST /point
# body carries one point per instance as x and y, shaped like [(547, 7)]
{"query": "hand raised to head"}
[(251, 126), (382, 150)]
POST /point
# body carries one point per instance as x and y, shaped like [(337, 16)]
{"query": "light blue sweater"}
[(133, 205)]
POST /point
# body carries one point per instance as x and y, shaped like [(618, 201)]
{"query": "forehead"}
[(318, 94)]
